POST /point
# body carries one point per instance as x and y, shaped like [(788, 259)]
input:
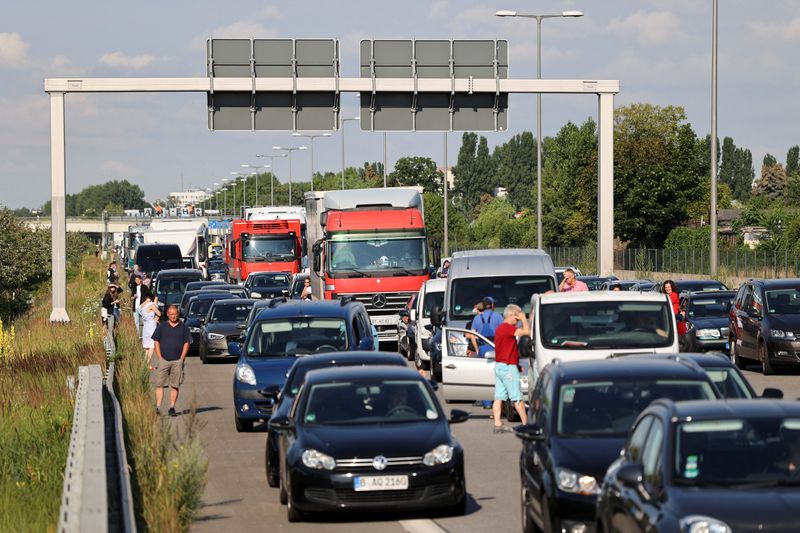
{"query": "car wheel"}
[(511, 413), (763, 356), (292, 514), (243, 426), (284, 496), (273, 475), (419, 363), (437, 373), (547, 523), (527, 524), (203, 355)]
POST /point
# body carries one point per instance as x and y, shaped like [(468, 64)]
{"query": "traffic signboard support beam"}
[(58, 87)]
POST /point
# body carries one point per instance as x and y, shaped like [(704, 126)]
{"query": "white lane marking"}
[(422, 525)]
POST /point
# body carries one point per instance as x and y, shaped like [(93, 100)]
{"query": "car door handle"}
[(451, 366)]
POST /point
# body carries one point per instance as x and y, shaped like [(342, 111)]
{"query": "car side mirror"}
[(285, 292), (273, 391), (529, 432), (201, 320), (630, 475), (774, 394), (366, 344), (429, 327), (526, 346), (241, 326), (436, 316), (255, 295), (413, 315), (281, 424), (457, 416)]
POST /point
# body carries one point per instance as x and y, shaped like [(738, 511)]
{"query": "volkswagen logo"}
[(379, 301), (379, 463)]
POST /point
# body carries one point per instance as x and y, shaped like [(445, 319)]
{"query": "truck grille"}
[(381, 303)]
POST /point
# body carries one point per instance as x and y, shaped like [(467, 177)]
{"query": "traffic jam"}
[(354, 346)]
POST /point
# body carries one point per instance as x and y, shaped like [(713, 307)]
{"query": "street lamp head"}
[(572, 14), (302, 147), (277, 148), (296, 134), (245, 166), (505, 13), (326, 135)]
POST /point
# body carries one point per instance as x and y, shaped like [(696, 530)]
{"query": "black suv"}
[(705, 315), (580, 414), (765, 324), (706, 466)]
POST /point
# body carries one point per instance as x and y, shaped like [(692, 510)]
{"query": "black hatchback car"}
[(224, 324), (197, 308), (706, 315), (369, 438), (707, 466), (579, 416), (283, 397), (765, 324)]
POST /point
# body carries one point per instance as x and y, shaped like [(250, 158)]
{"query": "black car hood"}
[(763, 510), (224, 328), (402, 439), (711, 322), (784, 322), (590, 456)]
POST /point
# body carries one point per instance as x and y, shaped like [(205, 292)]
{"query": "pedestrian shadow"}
[(204, 409)]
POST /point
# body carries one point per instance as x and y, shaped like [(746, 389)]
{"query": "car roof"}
[(305, 308), (732, 408), (233, 301), (436, 285), (371, 358), (500, 262), (600, 296), (266, 273), (706, 294), (628, 367), (776, 283), (210, 295), (220, 287), (178, 272), (326, 375)]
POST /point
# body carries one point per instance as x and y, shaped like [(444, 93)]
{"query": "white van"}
[(430, 295), (577, 326)]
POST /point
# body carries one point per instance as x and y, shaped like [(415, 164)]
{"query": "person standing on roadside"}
[(111, 273), (150, 314), (485, 324), (137, 295), (571, 284), (110, 301), (507, 386), (172, 340), (671, 290)]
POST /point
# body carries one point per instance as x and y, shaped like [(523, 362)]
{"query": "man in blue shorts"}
[(507, 385)]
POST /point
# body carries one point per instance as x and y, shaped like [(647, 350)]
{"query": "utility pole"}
[(446, 245)]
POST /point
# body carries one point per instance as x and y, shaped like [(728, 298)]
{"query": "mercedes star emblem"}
[(379, 301)]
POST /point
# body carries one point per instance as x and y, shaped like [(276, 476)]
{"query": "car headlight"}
[(570, 481), (245, 374), (780, 334), (709, 332), (194, 330), (215, 336), (703, 524), (318, 460), (438, 456)]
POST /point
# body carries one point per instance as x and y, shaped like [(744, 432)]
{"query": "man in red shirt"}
[(506, 370)]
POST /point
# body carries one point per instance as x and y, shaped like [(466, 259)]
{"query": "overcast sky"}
[(660, 50)]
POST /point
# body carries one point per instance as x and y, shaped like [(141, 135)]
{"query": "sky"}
[(659, 50)]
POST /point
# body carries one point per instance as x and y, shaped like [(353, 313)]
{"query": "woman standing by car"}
[(150, 314)]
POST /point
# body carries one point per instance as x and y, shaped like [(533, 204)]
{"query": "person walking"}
[(485, 324), (172, 340), (110, 300), (111, 273), (507, 385), (149, 312), (137, 296), (571, 284)]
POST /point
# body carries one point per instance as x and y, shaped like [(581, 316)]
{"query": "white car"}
[(430, 295)]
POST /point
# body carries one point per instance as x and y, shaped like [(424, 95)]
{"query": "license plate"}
[(368, 483), (384, 320)]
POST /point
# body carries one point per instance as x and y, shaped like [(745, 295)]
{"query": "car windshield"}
[(269, 249), (783, 301), (713, 306), (432, 299), (738, 452), (369, 255), (298, 286), (199, 308), (230, 313), (170, 290), (297, 336), (369, 402), (504, 289), (609, 408), (270, 280), (729, 382), (606, 324)]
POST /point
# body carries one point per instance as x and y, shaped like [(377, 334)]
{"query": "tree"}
[(434, 221), (25, 264), (773, 182), (793, 161), (417, 171), (95, 198), (465, 179), (769, 160), (516, 169), (659, 163)]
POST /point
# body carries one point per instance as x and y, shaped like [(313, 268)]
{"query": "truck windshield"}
[(504, 289), (606, 324), (364, 256), (269, 249)]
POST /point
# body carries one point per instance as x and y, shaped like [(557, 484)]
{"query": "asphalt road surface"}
[(237, 497)]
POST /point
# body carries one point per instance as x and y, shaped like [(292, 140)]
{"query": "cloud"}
[(116, 169), (439, 9), (121, 60), (788, 31), (653, 28), (13, 51)]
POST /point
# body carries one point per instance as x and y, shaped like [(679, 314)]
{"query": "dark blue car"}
[(282, 332), (706, 315)]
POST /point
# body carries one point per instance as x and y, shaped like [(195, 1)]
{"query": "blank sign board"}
[(273, 58), (434, 59)]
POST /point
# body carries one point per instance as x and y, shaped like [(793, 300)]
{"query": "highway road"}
[(237, 497)]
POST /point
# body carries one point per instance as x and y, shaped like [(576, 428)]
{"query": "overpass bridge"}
[(95, 227)]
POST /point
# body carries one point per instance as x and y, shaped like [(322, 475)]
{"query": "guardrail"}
[(97, 493)]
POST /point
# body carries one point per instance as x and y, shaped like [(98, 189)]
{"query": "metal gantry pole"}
[(446, 238), (713, 213), (384, 159), (539, 135), (605, 186), (343, 165), (58, 208), (290, 177)]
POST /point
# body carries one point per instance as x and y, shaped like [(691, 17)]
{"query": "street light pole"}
[(445, 247), (225, 188), (713, 215), (384, 159), (539, 18), (256, 171), (344, 120), (271, 175), (290, 149), (312, 137)]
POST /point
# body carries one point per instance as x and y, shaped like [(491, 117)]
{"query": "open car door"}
[(465, 376)]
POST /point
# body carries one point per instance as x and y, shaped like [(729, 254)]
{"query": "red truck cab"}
[(265, 246)]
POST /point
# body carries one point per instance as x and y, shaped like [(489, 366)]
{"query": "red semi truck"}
[(269, 240), (369, 244)]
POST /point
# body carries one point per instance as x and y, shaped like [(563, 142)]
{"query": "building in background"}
[(188, 197)]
